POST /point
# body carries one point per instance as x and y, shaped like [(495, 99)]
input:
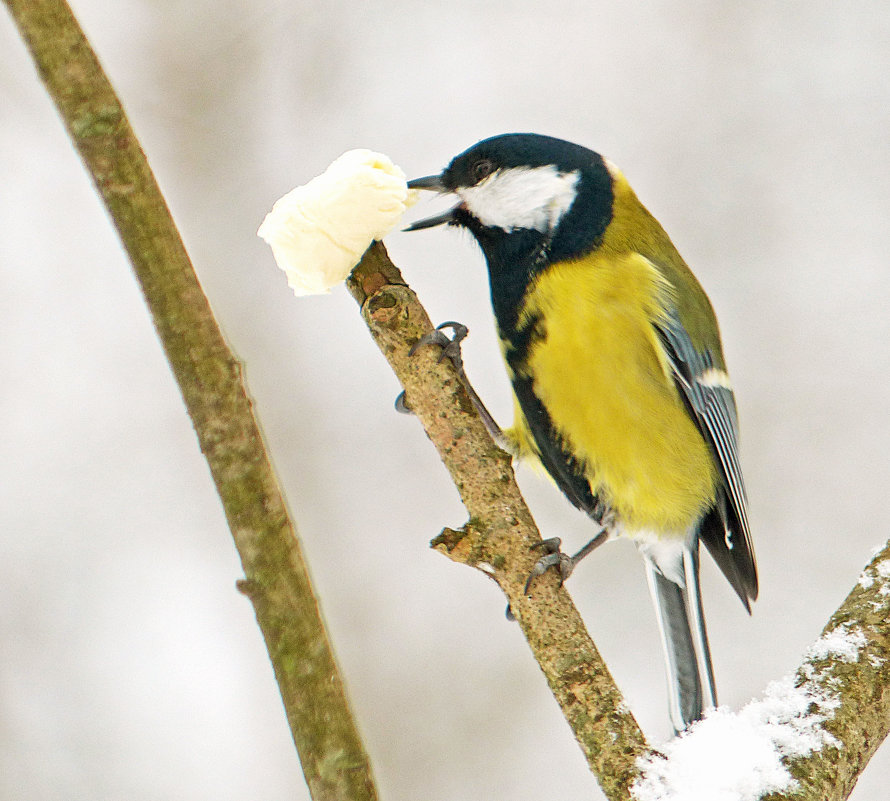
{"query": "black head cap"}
[(516, 150), (579, 230)]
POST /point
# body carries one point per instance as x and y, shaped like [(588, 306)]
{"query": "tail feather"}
[(684, 639), (696, 617)]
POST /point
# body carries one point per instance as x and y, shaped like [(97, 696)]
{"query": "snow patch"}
[(841, 643), (740, 756)]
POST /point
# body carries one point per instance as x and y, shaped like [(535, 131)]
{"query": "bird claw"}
[(450, 350), (553, 557), (401, 404), (450, 345)]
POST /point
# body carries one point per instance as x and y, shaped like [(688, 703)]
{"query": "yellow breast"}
[(600, 371)]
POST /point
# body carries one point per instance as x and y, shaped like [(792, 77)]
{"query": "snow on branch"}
[(811, 734)]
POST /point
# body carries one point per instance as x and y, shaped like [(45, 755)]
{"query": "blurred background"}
[(129, 665)]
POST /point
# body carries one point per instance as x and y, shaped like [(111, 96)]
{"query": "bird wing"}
[(711, 405)]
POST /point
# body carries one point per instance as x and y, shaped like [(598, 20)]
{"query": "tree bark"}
[(276, 580), (860, 684), (500, 533)]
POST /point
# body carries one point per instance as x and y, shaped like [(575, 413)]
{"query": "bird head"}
[(528, 194)]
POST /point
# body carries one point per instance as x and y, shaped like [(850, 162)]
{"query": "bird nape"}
[(621, 391)]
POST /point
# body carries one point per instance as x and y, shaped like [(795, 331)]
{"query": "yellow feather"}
[(600, 371)]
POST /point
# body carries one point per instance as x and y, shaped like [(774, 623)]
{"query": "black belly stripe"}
[(557, 461)]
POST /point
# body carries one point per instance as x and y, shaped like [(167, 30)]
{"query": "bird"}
[(620, 387)]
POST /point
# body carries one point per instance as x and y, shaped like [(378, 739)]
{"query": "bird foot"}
[(553, 557), (450, 350), (450, 345)]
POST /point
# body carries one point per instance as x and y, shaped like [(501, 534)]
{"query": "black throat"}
[(515, 258)]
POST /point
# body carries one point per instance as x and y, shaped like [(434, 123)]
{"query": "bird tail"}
[(684, 638)]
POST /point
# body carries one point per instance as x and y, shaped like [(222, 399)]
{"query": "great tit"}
[(620, 387)]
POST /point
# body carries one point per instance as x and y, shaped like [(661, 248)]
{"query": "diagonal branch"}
[(850, 666), (500, 532), (277, 582)]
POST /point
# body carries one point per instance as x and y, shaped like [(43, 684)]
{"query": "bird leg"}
[(451, 350), (554, 557)]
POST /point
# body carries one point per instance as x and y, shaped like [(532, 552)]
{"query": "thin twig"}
[(276, 580)]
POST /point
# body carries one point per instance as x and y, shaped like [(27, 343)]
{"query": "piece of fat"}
[(319, 231)]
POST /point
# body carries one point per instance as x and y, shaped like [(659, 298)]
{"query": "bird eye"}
[(482, 169)]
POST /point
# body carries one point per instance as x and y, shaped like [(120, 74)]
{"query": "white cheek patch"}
[(522, 197)]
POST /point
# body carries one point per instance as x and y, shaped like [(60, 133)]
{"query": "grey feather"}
[(684, 639), (725, 531)]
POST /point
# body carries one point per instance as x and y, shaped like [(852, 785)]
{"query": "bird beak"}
[(432, 183)]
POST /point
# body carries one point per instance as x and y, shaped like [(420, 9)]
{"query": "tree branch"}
[(276, 579), (850, 665), (500, 532)]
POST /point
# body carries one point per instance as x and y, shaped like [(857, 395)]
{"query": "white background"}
[(129, 666)]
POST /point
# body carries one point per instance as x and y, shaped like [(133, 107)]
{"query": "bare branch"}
[(334, 760), (500, 532)]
